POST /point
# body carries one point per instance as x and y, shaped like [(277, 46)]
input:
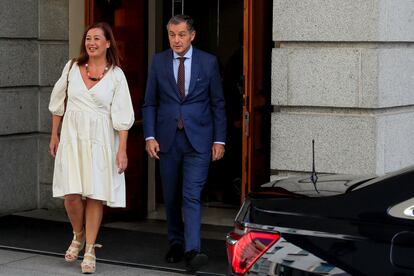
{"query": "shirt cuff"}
[(221, 143), (150, 138)]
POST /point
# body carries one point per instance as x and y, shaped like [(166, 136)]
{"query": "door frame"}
[(257, 23), (247, 73), (155, 8)]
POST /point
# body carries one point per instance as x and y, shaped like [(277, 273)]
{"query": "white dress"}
[(86, 156)]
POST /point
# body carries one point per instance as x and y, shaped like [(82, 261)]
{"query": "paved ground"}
[(16, 263), (20, 263)]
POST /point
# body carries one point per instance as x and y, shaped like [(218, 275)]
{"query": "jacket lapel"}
[(195, 67), (168, 65)]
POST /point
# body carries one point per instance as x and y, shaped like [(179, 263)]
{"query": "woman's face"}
[(96, 43)]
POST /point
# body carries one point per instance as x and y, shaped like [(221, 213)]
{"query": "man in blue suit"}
[(185, 128)]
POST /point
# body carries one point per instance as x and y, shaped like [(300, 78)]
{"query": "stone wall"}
[(33, 51), (343, 75)]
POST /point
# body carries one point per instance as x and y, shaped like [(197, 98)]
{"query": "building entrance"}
[(238, 32)]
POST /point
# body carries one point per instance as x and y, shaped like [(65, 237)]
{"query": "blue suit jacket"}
[(202, 110)]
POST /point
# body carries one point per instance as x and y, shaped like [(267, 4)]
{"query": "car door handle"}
[(409, 211), (404, 210)]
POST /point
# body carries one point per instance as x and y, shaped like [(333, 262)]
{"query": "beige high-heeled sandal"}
[(88, 264), (75, 247)]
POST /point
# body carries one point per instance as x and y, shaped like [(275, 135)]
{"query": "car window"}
[(385, 177)]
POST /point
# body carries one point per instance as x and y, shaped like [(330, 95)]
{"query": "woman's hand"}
[(121, 161), (53, 145)]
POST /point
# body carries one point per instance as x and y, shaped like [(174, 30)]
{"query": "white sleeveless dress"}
[(85, 160)]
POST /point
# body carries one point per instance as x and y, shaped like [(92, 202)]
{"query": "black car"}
[(337, 225)]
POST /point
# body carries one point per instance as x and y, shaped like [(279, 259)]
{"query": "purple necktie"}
[(181, 87), (181, 78)]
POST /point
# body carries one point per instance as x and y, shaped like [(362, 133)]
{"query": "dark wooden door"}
[(128, 19), (257, 46)]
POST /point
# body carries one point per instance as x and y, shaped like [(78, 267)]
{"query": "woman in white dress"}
[(90, 156)]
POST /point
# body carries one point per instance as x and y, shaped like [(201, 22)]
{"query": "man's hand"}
[(217, 152), (152, 148)]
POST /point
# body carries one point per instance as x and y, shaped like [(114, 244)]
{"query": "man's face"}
[(180, 38)]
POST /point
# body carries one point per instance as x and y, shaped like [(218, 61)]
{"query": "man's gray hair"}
[(182, 18)]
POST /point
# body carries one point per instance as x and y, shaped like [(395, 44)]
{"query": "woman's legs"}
[(93, 218), (79, 211), (75, 209)]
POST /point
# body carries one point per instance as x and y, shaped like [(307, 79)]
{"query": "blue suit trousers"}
[(184, 172)]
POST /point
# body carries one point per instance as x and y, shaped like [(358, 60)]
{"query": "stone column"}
[(33, 50), (53, 55), (343, 75)]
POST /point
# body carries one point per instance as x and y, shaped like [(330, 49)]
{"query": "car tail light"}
[(245, 247)]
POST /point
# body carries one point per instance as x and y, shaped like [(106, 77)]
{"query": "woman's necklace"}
[(95, 78)]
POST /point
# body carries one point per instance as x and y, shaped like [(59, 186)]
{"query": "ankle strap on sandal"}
[(75, 235), (89, 247)]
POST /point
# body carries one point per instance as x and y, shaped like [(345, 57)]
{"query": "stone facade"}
[(342, 74), (33, 51)]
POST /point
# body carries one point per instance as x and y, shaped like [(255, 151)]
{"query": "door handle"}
[(246, 123), (409, 212)]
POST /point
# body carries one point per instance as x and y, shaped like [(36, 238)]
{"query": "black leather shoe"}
[(194, 260), (175, 254)]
